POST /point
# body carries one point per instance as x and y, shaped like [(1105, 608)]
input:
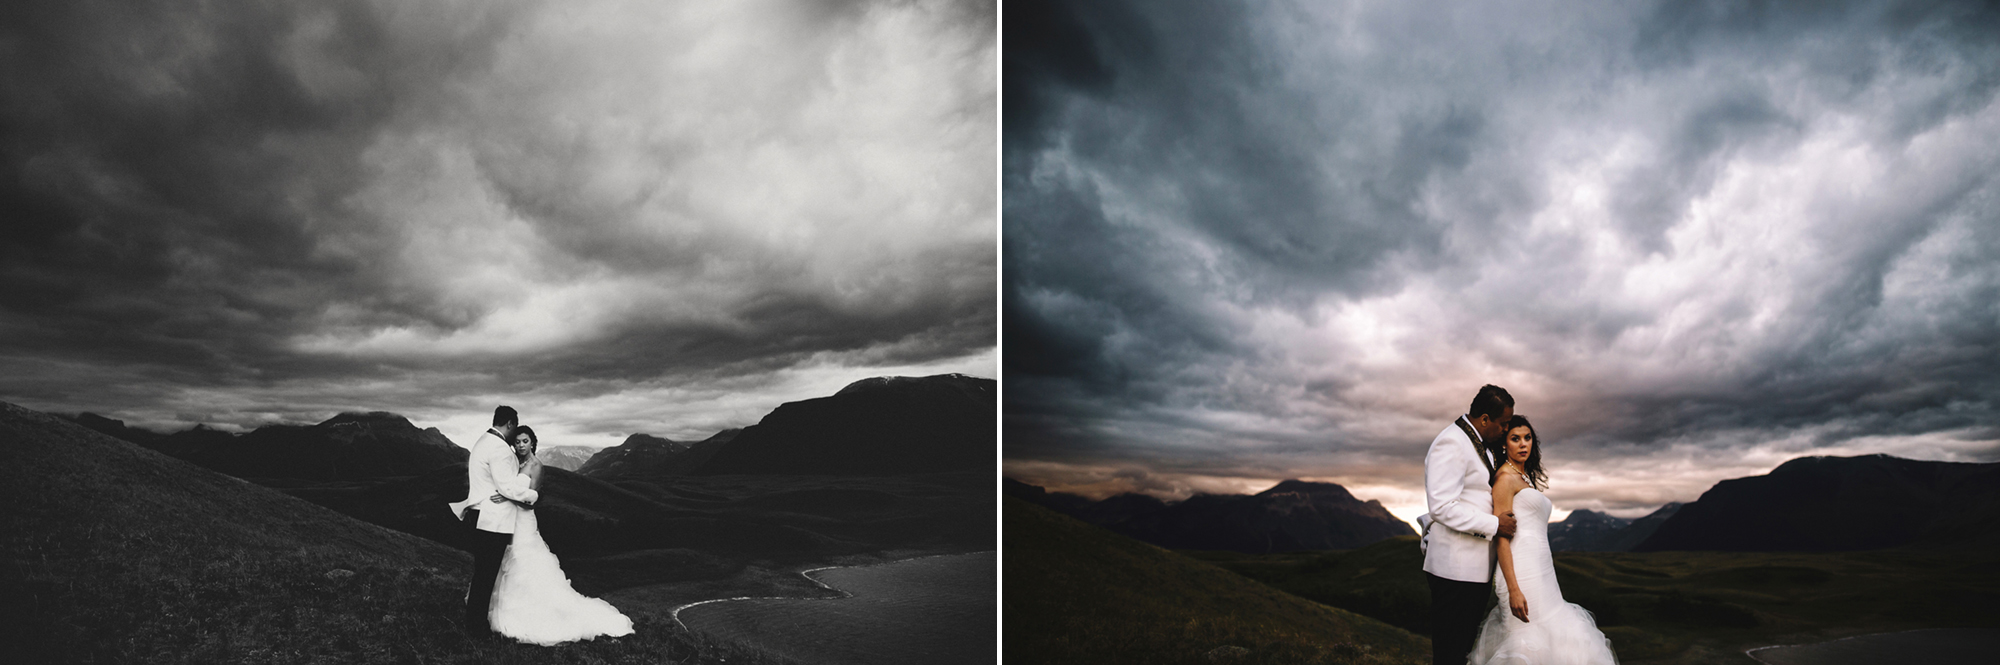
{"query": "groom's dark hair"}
[(1492, 402), (504, 415)]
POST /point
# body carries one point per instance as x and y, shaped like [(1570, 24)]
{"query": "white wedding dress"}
[(1558, 632), (533, 601)]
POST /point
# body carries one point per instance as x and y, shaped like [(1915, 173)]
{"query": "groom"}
[(490, 472), (1458, 559)]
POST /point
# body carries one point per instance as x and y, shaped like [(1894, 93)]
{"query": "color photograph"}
[(1527, 332)]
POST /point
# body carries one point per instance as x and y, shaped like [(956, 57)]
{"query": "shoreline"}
[(1752, 652), (675, 613)]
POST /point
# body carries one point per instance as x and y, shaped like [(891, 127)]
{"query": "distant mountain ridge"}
[(1293, 515), (1640, 529), (647, 455), (1584, 531), (567, 458), (1832, 504), (1809, 504), (345, 447), (891, 425), (878, 426), (1592, 531)]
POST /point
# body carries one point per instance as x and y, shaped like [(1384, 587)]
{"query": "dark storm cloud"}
[(296, 208), (1246, 241)]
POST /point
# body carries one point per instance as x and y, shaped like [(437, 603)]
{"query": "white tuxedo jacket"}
[(1460, 498), (492, 468)]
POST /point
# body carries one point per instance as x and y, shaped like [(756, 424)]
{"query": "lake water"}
[(1941, 646), (929, 610)]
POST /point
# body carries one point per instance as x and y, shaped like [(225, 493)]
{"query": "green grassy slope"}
[(1076, 593), (1384, 580), (112, 553), (1682, 607)]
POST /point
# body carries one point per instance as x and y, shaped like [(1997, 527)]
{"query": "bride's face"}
[(1520, 442), (521, 445)]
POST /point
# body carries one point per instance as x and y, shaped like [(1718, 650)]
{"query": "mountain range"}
[(1291, 516), (880, 426), (1809, 504), (1829, 504), (877, 426), (1584, 531), (348, 446), (567, 458), (638, 514), (644, 455)]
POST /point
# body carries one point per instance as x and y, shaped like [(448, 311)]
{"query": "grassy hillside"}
[(1076, 593), (112, 553), (1682, 607), (1384, 580)]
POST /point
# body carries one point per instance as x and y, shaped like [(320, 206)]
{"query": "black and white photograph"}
[(1500, 332), (370, 331)]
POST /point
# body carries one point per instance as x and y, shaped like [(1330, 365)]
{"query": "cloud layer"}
[(1251, 241), (284, 210)]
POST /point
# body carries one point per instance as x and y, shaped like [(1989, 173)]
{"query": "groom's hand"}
[(497, 498), (1506, 526)]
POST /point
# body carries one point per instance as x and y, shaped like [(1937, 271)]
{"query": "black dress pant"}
[(1457, 609), (487, 549)]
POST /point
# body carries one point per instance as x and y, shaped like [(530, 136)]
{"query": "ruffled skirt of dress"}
[(1558, 632), (533, 601)]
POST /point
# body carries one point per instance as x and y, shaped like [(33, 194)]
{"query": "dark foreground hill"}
[(880, 426), (1076, 593), (113, 553), (346, 447), (1833, 504), (1291, 516)]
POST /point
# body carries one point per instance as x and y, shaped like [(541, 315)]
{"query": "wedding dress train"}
[(1557, 632), (533, 601)]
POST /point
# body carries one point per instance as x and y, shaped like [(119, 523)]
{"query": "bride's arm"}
[(533, 468), (1503, 502), (515, 486)]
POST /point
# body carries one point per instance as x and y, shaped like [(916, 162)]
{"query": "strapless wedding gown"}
[(1558, 632), (533, 601)]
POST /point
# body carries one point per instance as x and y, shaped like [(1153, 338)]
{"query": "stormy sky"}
[(1248, 241), (615, 216)]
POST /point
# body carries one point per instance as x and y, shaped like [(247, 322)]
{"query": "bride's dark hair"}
[(535, 441), (1533, 467)]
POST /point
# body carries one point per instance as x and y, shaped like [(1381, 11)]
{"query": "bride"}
[(1561, 632), (532, 598)]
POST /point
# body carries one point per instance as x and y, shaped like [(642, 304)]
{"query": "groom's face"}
[(1489, 428)]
